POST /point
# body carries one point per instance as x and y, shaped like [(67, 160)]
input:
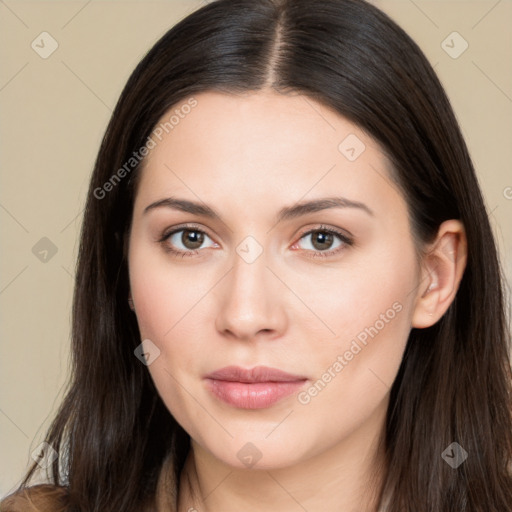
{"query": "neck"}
[(347, 477)]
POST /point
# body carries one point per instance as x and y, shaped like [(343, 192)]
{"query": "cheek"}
[(354, 373), (162, 295), (370, 311), (154, 305), (166, 307), (364, 292), (170, 307)]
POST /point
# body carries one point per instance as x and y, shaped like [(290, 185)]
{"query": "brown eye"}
[(192, 239), (324, 242), (321, 240), (186, 241)]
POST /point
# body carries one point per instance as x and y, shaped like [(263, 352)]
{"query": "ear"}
[(442, 268)]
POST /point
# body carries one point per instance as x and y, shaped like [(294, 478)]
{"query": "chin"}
[(257, 453)]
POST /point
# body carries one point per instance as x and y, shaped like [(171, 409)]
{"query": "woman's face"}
[(278, 276)]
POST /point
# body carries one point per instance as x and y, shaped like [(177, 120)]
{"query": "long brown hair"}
[(113, 431)]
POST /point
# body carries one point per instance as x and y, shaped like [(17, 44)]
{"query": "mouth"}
[(256, 388)]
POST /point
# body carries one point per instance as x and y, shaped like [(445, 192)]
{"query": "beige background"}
[(53, 115)]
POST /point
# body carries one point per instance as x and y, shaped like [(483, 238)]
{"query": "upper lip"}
[(256, 374)]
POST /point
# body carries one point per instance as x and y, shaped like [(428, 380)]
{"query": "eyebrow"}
[(286, 213)]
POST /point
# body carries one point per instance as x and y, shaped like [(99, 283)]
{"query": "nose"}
[(250, 302)]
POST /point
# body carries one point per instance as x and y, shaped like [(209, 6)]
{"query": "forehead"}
[(239, 125), (259, 144)]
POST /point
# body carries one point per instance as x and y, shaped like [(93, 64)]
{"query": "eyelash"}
[(347, 241)]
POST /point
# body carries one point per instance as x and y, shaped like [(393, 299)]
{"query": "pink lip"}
[(257, 388)]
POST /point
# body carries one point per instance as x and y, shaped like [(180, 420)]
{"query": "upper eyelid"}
[(191, 227), (323, 227), (302, 233)]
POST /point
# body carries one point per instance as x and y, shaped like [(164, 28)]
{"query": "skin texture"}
[(247, 156)]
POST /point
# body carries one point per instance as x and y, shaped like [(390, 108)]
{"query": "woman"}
[(288, 295)]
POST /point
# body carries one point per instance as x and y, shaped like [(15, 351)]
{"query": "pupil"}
[(192, 239), (322, 238)]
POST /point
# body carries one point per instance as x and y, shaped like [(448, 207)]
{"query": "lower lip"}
[(256, 395)]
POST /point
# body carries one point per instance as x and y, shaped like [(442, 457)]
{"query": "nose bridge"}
[(250, 298), (249, 275)]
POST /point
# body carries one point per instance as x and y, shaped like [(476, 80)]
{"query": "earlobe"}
[(442, 270)]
